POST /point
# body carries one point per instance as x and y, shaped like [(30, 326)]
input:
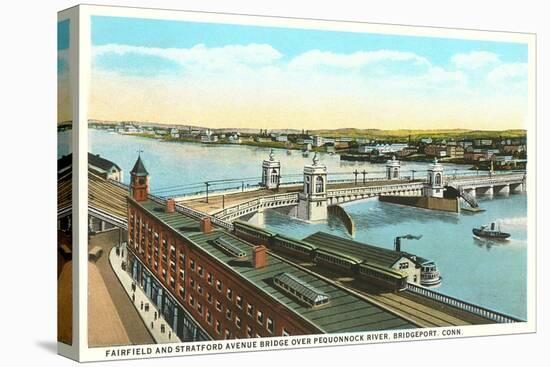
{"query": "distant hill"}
[(417, 134), (350, 132)]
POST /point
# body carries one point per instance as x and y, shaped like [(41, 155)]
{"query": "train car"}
[(339, 262), (295, 248), (383, 277), (251, 233)]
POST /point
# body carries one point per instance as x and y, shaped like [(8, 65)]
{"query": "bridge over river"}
[(231, 206)]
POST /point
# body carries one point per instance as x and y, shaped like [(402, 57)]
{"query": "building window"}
[(319, 184), (209, 297), (208, 317), (219, 285), (192, 283), (182, 292), (403, 265), (260, 317), (209, 278), (239, 300), (191, 300), (285, 332), (270, 325), (229, 294), (218, 327), (192, 264), (200, 270), (238, 322), (227, 334), (199, 289), (250, 309), (218, 305), (228, 314), (249, 331)]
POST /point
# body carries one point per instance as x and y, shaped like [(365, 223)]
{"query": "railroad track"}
[(422, 315)]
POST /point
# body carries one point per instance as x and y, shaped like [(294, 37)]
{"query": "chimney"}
[(206, 225), (259, 257), (170, 205)]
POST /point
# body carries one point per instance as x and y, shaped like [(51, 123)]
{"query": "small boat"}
[(490, 232)]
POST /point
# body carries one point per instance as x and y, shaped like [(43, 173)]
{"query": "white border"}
[(86, 11)]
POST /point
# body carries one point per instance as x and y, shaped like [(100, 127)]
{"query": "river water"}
[(486, 273)]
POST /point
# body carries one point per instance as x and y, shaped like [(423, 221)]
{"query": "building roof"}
[(345, 312), (94, 160), (357, 250), (139, 168), (103, 195)]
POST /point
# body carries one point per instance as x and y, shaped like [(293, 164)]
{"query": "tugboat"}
[(491, 233)]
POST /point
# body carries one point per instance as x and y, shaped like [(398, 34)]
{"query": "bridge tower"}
[(139, 185), (271, 172), (393, 169), (312, 201), (434, 186)]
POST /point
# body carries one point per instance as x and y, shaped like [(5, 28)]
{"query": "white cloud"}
[(200, 56), (359, 59), (508, 72), (475, 60)]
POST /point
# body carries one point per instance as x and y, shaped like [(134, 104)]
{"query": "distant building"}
[(234, 139), (483, 142), (435, 151), (344, 139), (426, 140), (260, 139), (465, 143), (382, 148), (96, 164), (455, 152), (281, 138), (208, 138), (407, 151), (318, 141), (513, 149)]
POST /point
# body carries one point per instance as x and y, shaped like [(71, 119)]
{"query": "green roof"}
[(139, 168), (356, 250), (345, 312)]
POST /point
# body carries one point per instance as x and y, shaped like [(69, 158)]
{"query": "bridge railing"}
[(502, 179), (257, 203), (463, 305), (374, 189), (199, 215), (193, 212)]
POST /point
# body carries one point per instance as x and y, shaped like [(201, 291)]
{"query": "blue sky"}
[(291, 42), (252, 76)]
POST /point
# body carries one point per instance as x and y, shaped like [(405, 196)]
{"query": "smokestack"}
[(259, 257), (170, 205), (398, 244), (206, 225)]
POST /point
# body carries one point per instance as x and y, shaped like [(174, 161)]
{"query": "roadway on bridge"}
[(218, 201)]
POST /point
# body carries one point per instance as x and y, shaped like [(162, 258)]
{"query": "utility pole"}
[(364, 176), (355, 173), (207, 184)]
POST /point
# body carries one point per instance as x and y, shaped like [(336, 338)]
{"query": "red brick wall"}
[(281, 316)]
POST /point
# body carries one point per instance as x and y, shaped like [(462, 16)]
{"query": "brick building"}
[(210, 284)]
